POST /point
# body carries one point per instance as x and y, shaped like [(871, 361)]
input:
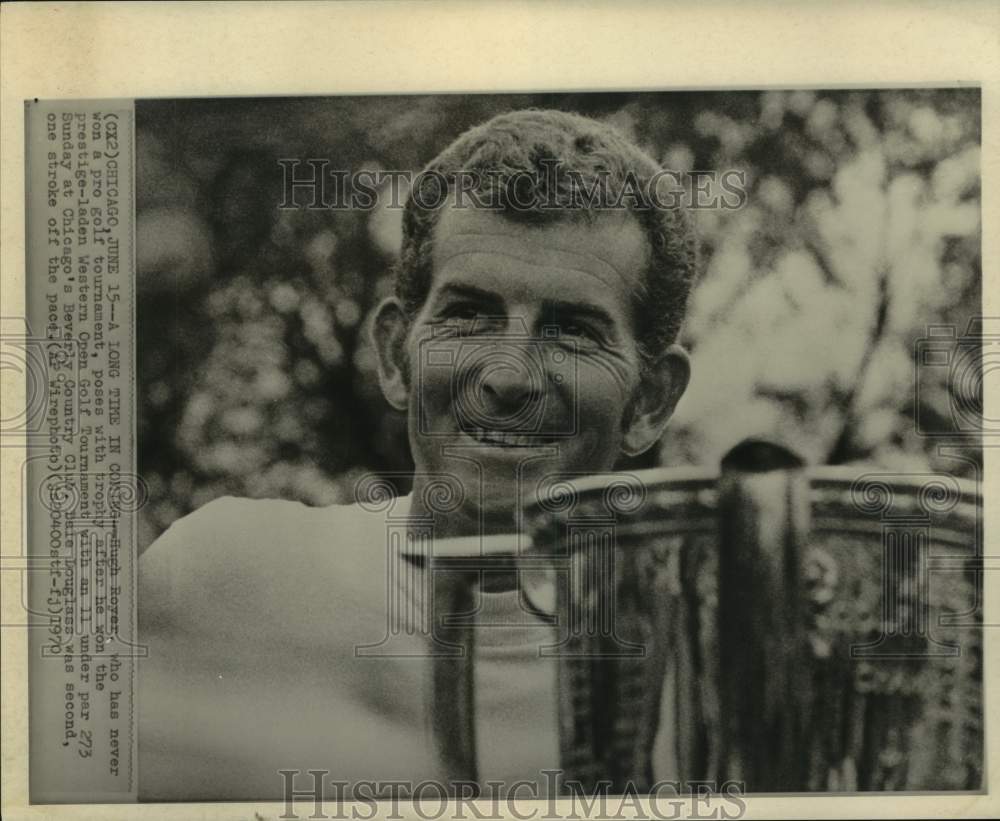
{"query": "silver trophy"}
[(794, 629)]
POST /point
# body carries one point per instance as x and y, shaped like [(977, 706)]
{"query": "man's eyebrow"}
[(455, 289), (566, 308), (550, 307)]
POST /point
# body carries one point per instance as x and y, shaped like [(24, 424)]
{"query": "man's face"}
[(523, 362)]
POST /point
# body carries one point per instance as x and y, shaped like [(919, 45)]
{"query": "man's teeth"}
[(504, 438)]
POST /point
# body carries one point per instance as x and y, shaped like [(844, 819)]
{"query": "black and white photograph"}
[(557, 441)]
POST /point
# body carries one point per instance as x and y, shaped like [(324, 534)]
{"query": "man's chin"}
[(500, 469), (491, 506), (498, 482)]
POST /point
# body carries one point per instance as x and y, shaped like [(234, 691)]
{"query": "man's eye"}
[(465, 318), (579, 330), (469, 312)]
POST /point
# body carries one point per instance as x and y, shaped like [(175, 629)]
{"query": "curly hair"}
[(510, 159)]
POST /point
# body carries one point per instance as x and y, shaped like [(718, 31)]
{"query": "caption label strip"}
[(81, 491)]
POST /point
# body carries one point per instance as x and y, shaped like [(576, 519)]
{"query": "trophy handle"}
[(764, 522)]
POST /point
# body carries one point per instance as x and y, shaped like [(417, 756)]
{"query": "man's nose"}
[(511, 383)]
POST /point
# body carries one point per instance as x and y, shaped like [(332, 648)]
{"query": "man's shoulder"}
[(231, 522), (242, 512), (238, 548)]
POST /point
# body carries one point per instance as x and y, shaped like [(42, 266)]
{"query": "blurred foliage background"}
[(861, 230)]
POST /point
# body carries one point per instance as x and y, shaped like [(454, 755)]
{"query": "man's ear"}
[(389, 329), (660, 388)]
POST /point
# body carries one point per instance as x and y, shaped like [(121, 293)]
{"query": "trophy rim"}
[(694, 478)]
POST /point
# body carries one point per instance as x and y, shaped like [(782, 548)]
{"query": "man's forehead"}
[(611, 247)]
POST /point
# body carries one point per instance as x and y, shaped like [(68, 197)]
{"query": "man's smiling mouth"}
[(508, 439)]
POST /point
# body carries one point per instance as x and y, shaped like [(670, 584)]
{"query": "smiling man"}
[(532, 333), (552, 323)]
